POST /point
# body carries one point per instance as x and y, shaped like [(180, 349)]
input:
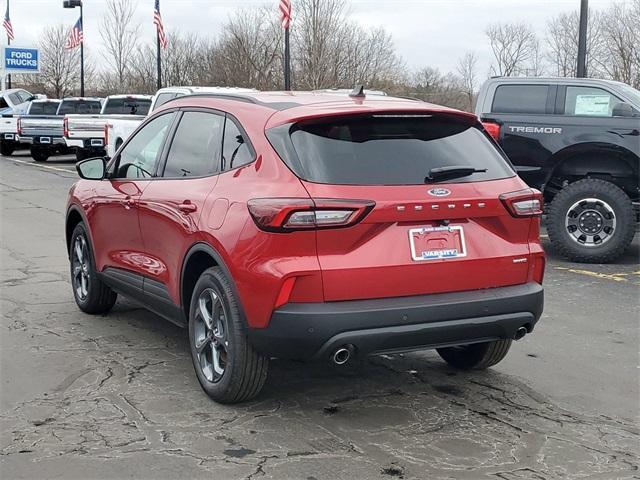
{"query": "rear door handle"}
[(187, 207)]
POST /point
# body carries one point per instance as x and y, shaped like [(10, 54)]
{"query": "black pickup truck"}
[(578, 141)]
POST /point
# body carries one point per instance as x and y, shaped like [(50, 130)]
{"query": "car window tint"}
[(195, 148), (43, 108), (236, 150), (164, 98), (80, 107), (530, 99), (15, 98), (127, 106), (589, 101), (24, 96), (389, 149), (138, 158)]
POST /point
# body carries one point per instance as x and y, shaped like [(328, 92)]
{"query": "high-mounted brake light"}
[(493, 129), (291, 214), (523, 203)]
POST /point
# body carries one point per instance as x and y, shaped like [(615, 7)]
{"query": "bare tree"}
[(120, 35), (59, 68), (562, 43), (621, 33), (513, 46), (467, 69)]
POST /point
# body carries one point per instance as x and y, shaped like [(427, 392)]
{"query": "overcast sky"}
[(426, 32)]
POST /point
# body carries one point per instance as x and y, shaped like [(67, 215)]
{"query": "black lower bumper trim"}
[(314, 330)]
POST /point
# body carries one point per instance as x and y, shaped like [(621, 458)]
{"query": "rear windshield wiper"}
[(438, 174)]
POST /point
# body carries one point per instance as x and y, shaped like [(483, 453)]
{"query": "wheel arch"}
[(73, 218), (614, 163), (200, 257)]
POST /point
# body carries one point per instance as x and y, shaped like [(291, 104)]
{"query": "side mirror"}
[(622, 110), (92, 168)]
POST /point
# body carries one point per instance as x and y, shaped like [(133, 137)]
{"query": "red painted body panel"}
[(371, 259)]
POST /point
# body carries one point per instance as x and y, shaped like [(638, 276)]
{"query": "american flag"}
[(285, 13), (76, 36), (157, 20), (7, 24)]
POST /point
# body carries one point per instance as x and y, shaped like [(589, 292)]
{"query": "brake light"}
[(65, 126), (523, 203), (106, 133), (492, 129), (19, 126), (291, 214)]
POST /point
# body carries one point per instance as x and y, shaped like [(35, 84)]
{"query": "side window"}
[(15, 98), (138, 158), (531, 99), (236, 151), (24, 96), (164, 98), (589, 101), (195, 149)]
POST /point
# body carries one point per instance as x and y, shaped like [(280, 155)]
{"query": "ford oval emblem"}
[(439, 192)]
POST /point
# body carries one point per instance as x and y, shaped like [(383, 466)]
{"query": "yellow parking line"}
[(616, 277), (46, 167)]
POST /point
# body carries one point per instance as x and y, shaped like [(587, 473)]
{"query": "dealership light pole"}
[(582, 39), (74, 4)]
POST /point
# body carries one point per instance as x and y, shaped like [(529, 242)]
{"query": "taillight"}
[(291, 214), (492, 129), (106, 133), (65, 126), (19, 126), (523, 203), (536, 268)]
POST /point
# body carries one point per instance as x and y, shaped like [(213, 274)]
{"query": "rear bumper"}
[(315, 330), (85, 143), (36, 140)]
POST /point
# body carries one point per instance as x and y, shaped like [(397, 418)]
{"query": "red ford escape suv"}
[(311, 226)]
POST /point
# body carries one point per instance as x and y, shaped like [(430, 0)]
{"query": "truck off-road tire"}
[(6, 149), (591, 221), (476, 356), (39, 154), (228, 368), (91, 294)]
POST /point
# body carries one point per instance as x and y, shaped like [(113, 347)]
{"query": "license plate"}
[(437, 243), (8, 136), (97, 143), (45, 139)]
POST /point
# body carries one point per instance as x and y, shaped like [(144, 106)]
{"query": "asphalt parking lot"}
[(116, 396)]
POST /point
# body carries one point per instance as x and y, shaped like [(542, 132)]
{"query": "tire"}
[(97, 297), (228, 368), (6, 149), (39, 154), (610, 206), (477, 356)]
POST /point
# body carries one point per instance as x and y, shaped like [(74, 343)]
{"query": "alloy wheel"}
[(81, 273), (590, 222), (210, 335)]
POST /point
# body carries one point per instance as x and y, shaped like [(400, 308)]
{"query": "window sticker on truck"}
[(552, 130)]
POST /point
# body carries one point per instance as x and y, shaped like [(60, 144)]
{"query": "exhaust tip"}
[(342, 355), (521, 332)]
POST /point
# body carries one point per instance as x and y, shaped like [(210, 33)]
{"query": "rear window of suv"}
[(127, 106), (386, 149)]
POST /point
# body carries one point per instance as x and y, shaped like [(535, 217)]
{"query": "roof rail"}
[(222, 96)]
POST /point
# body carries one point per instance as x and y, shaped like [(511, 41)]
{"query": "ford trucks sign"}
[(21, 60)]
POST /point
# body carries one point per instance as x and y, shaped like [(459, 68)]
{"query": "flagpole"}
[(158, 59), (82, 53), (287, 61), (8, 44)]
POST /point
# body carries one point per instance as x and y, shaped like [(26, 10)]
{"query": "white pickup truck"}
[(44, 133), (117, 130), (13, 102), (86, 133)]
